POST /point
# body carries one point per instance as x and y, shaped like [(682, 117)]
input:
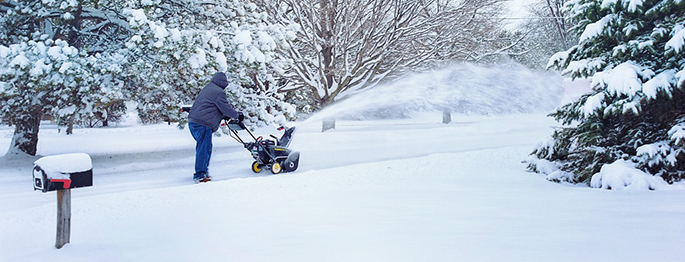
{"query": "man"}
[(209, 108)]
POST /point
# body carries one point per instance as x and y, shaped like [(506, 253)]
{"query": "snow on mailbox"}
[(66, 171)]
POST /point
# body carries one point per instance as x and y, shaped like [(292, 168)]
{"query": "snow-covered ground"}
[(408, 189), (393, 190)]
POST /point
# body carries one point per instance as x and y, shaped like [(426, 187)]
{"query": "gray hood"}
[(220, 80)]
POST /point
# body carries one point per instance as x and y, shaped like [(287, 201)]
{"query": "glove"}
[(241, 117)]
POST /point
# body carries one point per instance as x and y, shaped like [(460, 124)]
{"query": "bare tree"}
[(345, 45), (555, 8), (545, 33)]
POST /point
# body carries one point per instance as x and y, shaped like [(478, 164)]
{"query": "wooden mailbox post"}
[(61, 173), (63, 217)]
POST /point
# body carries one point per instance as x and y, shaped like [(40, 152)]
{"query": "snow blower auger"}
[(267, 153)]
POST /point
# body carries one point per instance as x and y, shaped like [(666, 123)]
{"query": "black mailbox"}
[(52, 173)]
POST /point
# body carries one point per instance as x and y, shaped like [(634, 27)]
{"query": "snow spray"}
[(459, 88)]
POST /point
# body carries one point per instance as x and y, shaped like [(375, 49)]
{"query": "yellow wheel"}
[(255, 167), (276, 168)]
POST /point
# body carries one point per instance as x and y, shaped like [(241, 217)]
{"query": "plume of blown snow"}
[(460, 88)]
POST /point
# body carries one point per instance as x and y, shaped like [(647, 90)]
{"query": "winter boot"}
[(203, 179)]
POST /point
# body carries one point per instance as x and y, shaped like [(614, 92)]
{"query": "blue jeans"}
[(203, 148)]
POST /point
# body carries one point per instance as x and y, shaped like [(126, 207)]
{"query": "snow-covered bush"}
[(622, 174), (633, 52)]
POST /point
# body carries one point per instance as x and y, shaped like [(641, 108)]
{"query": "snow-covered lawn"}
[(392, 190)]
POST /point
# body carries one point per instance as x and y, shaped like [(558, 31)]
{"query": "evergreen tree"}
[(633, 50), (51, 56)]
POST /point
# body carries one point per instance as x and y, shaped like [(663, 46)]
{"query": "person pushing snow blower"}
[(209, 108), (204, 118)]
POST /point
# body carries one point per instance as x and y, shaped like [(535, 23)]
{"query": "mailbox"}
[(66, 171)]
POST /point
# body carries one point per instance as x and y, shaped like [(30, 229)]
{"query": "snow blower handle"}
[(235, 125)]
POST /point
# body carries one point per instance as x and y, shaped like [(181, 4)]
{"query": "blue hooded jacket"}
[(211, 104)]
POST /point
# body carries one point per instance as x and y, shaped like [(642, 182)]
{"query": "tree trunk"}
[(70, 126), (25, 137), (555, 12), (327, 124), (328, 12), (446, 116)]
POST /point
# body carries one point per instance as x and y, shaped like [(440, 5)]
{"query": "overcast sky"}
[(517, 11)]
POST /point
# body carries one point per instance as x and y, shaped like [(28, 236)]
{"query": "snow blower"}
[(267, 153)]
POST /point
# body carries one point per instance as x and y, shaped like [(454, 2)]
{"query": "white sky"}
[(517, 9)]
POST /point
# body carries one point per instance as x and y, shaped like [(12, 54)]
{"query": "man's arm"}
[(226, 108)]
